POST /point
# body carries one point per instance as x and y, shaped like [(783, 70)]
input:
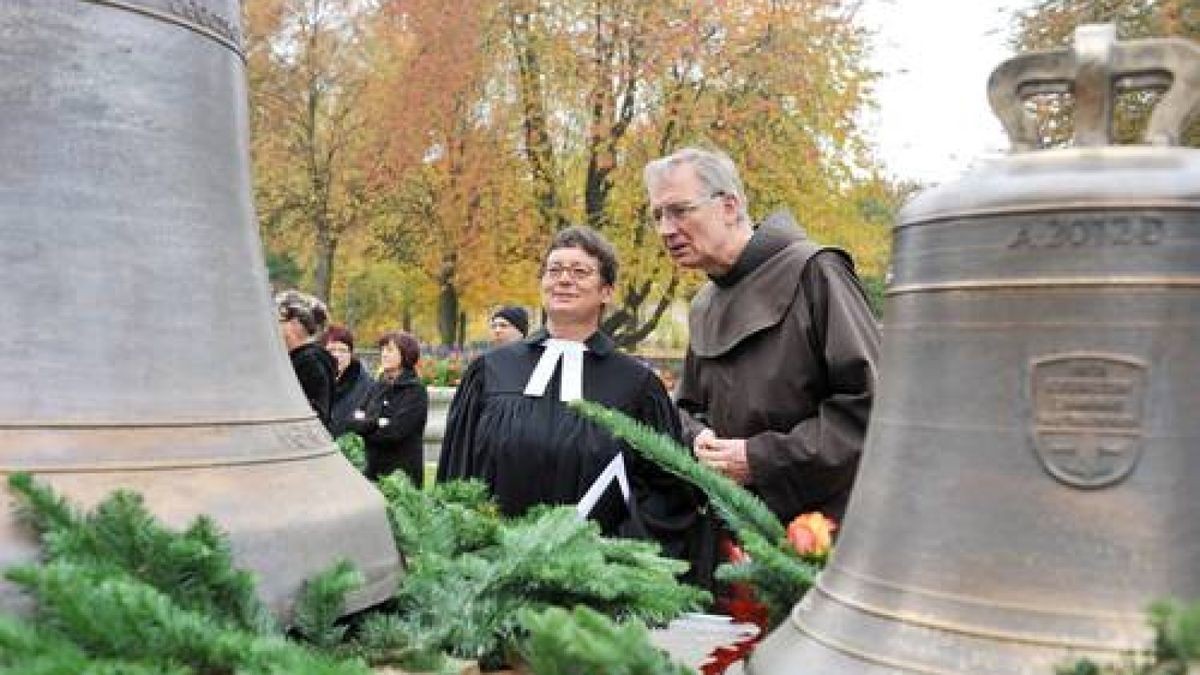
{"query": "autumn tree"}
[(317, 157), (466, 132), (605, 86), (1050, 24), (453, 210)]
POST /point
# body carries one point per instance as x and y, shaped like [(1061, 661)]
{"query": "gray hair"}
[(714, 168), (305, 308)]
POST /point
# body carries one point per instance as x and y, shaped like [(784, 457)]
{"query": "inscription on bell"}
[(1089, 231), (191, 13), (1088, 416), (206, 17)]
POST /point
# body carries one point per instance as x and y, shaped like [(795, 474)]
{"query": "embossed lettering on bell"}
[(144, 351), (1027, 488)]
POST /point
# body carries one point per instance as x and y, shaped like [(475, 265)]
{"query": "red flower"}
[(811, 534)]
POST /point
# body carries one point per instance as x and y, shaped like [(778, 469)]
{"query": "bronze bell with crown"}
[(1028, 483), (143, 350)]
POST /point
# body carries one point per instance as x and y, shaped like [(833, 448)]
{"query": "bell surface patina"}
[(143, 350), (1028, 483)]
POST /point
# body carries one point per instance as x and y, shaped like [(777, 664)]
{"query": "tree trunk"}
[(447, 310), (538, 148), (322, 285)]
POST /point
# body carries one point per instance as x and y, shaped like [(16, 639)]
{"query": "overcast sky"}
[(935, 57)]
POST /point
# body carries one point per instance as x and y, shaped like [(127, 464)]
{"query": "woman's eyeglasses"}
[(574, 272)]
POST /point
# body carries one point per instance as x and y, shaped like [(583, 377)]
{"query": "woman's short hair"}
[(340, 334), (591, 242), (410, 349), (304, 308), (716, 171)]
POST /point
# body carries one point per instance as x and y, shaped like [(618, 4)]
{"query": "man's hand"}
[(724, 455)]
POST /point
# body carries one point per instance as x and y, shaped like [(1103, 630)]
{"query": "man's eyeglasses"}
[(675, 212), (574, 272)]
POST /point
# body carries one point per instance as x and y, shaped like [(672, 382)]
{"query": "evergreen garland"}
[(561, 642), (354, 449), (119, 593), (28, 650), (779, 575), (470, 572), (322, 602), (1176, 649), (109, 615), (740, 509), (195, 568)]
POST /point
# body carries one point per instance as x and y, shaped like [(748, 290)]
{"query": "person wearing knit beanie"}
[(509, 324)]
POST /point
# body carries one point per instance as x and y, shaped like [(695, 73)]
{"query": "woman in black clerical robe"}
[(508, 424)]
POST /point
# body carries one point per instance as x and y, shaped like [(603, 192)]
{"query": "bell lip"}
[(1110, 177), (171, 444), (286, 521)]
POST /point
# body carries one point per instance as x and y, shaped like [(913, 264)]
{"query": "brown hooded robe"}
[(783, 353)]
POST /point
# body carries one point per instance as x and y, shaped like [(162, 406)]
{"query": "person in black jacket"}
[(353, 380), (509, 424), (391, 420), (302, 317)]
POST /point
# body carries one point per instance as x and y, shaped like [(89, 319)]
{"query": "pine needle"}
[(322, 601), (741, 510), (562, 642)]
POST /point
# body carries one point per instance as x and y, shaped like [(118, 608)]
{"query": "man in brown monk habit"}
[(780, 370)]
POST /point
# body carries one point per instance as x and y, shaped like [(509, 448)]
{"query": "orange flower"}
[(811, 534)]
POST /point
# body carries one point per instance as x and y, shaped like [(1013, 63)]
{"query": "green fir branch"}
[(740, 509), (41, 507), (120, 593), (1176, 649), (354, 449), (561, 642), (110, 615), (449, 519), (779, 575), (195, 567), (470, 572), (322, 601), (1177, 631)]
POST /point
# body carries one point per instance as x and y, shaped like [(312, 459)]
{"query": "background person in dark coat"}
[(391, 419), (782, 357), (302, 317), (353, 380)]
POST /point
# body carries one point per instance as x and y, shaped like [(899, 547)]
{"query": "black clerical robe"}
[(533, 450)]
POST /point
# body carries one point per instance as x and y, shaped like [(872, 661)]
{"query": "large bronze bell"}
[(1028, 485), (142, 347)]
